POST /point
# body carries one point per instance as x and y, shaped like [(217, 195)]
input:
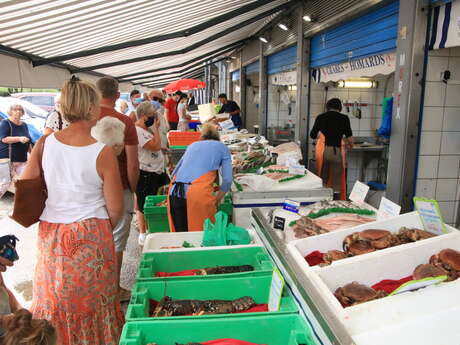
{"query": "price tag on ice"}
[(431, 215), (276, 291), (291, 205), (297, 170), (359, 192), (387, 209)]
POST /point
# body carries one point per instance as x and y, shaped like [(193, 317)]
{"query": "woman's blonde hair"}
[(143, 109), (209, 132), (109, 131), (77, 99), (23, 330)]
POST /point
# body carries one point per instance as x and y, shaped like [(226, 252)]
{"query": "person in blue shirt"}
[(14, 146), (191, 196), (231, 108)]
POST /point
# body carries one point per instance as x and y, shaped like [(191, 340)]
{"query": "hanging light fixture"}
[(357, 84), (307, 18), (263, 39), (283, 26)]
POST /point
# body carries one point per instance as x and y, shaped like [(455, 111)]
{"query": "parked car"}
[(32, 110), (44, 100), (34, 119)]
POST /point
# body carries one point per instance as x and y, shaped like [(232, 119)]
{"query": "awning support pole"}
[(406, 106)]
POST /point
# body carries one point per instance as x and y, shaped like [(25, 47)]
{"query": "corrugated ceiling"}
[(55, 28)]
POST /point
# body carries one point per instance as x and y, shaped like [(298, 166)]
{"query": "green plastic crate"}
[(187, 260), (270, 330), (156, 217), (204, 289)]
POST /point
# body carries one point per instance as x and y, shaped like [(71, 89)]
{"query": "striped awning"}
[(445, 26)]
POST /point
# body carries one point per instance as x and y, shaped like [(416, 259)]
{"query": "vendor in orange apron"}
[(333, 131), (191, 193)]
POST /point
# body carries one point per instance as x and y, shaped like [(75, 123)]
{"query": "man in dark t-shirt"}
[(230, 107), (333, 131)]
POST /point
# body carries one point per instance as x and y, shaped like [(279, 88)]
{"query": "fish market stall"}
[(265, 177), (388, 277)]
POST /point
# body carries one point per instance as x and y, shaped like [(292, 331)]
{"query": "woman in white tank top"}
[(75, 283)]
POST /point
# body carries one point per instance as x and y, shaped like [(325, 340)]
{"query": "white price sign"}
[(359, 192), (276, 291), (387, 209), (297, 170), (431, 215)]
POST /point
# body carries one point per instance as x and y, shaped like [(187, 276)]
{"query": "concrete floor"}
[(19, 277)]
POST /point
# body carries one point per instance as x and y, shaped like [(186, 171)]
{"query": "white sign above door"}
[(364, 67)]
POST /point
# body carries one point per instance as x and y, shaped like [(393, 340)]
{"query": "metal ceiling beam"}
[(193, 46), (178, 34), (195, 74), (181, 72), (199, 63), (178, 76), (223, 50)]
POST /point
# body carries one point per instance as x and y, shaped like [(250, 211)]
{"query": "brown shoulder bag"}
[(31, 194)]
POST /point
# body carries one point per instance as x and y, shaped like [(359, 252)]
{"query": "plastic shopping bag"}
[(214, 234), (237, 236), (222, 233)]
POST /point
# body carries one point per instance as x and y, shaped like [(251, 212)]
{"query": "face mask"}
[(156, 104), (149, 122), (138, 100)]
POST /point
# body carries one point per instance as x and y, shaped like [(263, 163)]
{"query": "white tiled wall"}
[(439, 160), (280, 114), (365, 127)]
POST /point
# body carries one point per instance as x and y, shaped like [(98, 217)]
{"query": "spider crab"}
[(368, 241), (356, 293), (447, 260)]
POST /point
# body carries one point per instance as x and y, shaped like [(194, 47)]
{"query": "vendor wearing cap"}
[(230, 107), (333, 131), (191, 194)]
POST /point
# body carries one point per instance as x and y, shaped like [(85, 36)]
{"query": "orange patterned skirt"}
[(75, 284)]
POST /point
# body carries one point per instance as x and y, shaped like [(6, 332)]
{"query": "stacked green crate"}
[(257, 287), (156, 216), (282, 327), (270, 330), (175, 261)]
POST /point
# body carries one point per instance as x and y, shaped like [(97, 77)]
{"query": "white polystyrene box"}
[(334, 240), (206, 111), (439, 328), (396, 264), (154, 242)]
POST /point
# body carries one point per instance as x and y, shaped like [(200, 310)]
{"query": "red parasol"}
[(184, 85)]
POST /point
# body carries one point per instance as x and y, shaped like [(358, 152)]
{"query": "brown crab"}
[(333, 255), (356, 293), (449, 261), (427, 270), (368, 241), (408, 235)]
